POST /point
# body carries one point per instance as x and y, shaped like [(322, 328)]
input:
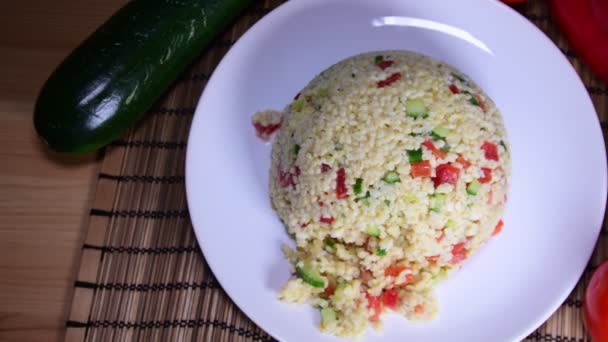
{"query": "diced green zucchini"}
[(330, 244), (328, 315), (391, 177), (473, 101), (502, 143), (296, 149), (416, 108), (297, 105), (439, 276), (411, 198), (358, 187), (437, 201), (473, 187), (446, 147), (387, 203), (414, 156), (310, 275), (380, 252), (450, 224), (441, 131), (372, 230)]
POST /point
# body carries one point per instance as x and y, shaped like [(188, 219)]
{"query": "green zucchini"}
[(107, 83)]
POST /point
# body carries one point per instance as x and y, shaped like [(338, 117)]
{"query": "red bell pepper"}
[(585, 25)]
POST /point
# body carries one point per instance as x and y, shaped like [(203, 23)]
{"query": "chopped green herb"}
[(413, 134), (296, 149), (353, 75), (387, 203), (446, 147), (372, 230), (416, 108), (458, 77), (358, 187), (364, 199), (378, 59), (415, 156), (298, 105), (440, 131), (502, 143), (380, 252), (482, 129), (391, 177), (473, 187), (329, 242), (474, 101)]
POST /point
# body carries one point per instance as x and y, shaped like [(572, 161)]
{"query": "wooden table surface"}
[(44, 198)]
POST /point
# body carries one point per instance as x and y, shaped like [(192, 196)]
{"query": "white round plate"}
[(558, 189)]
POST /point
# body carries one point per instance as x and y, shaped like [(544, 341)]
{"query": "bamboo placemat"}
[(142, 276)]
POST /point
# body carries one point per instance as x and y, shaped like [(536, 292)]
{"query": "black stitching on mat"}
[(144, 178), (171, 145), (85, 284), (577, 303), (75, 324), (87, 246), (537, 336), (190, 323), (597, 91), (145, 250), (149, 214), (210, 284), (173, 111)]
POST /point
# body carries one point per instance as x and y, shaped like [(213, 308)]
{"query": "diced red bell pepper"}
[(383, 64), (487, 175), (394, 270), (454, 89), (341, 190), (438, 153), (286, 179), (432, 259), (462, 161), (446, 173), (441, 236), (389, 80), (490, 150), (328, 220), (325, 168), (329, 289), (375, 304), (498, 228), (391, 298), (421, 169), (459, 253), (418, 308)]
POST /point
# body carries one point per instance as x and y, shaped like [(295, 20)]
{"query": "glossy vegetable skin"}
[(585, 25), (116, 74), (595, 305)]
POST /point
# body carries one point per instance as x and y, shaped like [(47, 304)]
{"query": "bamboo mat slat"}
[(142, 276)]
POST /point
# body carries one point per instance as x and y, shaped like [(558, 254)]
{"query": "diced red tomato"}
[(438, 153), (383, 64), (487, 175), (389, 80), (419, 308), (375, 304), (459, 253), (421, 169), (454, 89), (341, 184), (325, 168), (391, 298), (303, 225), (432, 259), (329, 289), (595, 304), (490, 150), (328, 220), (498, 228), (462, 161), (446, 173)]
